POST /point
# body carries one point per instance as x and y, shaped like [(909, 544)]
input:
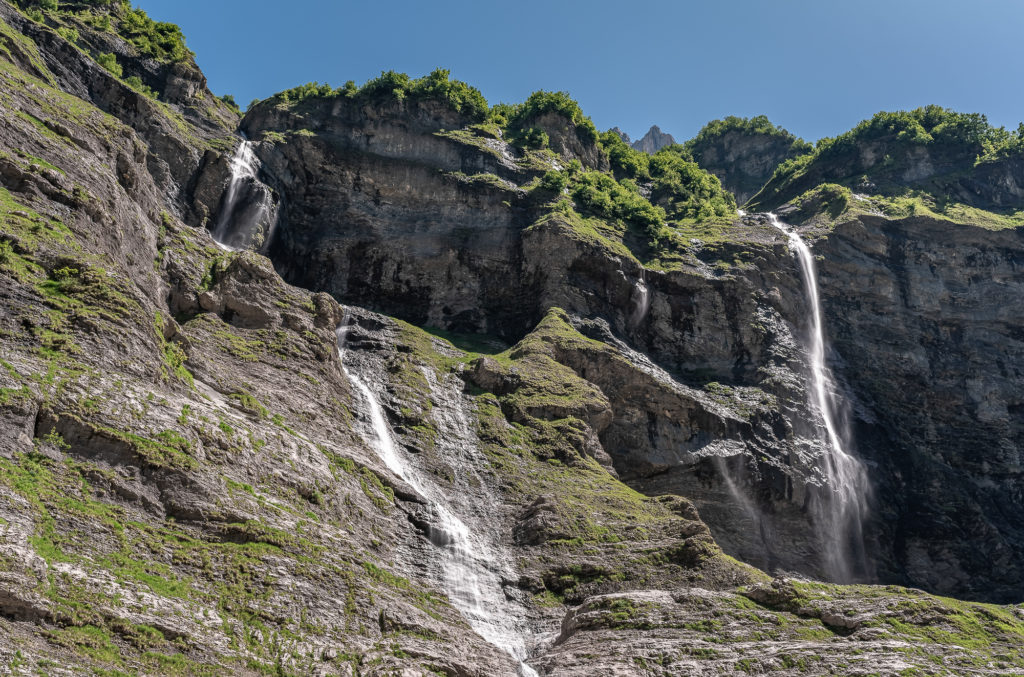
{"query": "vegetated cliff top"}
[(559, 159), (932, 153), (149, 56), (744, 152)]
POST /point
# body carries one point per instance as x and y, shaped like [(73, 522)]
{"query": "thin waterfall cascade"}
[(248, 211), (840, 510), (641, 298), (467, 559)]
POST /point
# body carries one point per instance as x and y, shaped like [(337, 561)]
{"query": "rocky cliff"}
[(194, 476), (744, 152)]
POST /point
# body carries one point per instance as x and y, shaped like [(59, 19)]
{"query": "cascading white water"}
[(247, 206), (841, 514), (641, 299), (470, 582)]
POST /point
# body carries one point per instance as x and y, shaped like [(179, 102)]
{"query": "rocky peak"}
[(622, 135), (653, 141)]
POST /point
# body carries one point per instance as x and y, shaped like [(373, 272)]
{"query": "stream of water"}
[(841, 510), (467, 560), (246, 214)]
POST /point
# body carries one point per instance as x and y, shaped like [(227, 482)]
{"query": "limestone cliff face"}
[(742, 159), (391, 209), (192, 476), (383, 209), (924, 316)]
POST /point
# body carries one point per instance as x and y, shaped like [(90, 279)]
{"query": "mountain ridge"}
[(651, 142)]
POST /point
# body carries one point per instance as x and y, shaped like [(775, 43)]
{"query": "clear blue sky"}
[(816, 67)]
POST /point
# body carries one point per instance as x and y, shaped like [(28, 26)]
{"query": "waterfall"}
[(641, 299), (840, 511), (467, 560), (248, 213)]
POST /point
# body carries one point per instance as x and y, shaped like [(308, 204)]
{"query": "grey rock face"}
[(765, 629), (190, 480), (924, 316), (653, 141), (744, 161), (737, 436)]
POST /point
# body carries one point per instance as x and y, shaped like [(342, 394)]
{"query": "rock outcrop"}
[(744, 152)]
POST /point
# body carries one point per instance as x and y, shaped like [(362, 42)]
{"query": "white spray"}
[(247, 203), (641, 299), (470, 582), (841, 514)]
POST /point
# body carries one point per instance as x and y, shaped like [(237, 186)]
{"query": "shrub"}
[(539, 103), (625, 161), (69, 34), (437, 86), (684, 189), (309, 90), (759, 124), (157, 39), (136, 83), (230, 101), (109, 61), (534, 137), (554, 181), (957, 139), (599, 194)]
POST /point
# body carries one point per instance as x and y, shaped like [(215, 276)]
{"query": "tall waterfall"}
[(841, 508), (247, 213), (470, 581)]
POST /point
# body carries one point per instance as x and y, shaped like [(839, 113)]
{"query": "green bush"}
[(625, 161), (310, 90), (157, 39), (952, 138), (522, 117), (230, 101), (759, 124), (963, 134), (69, 34), (109, 61), (678, 185), (684, 189), (136, 83), (554, 181), (534, 137), (599, 194), (391, 85)]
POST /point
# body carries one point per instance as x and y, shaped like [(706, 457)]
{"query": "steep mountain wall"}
[(392, 209), (924, 316), (193, 483)]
